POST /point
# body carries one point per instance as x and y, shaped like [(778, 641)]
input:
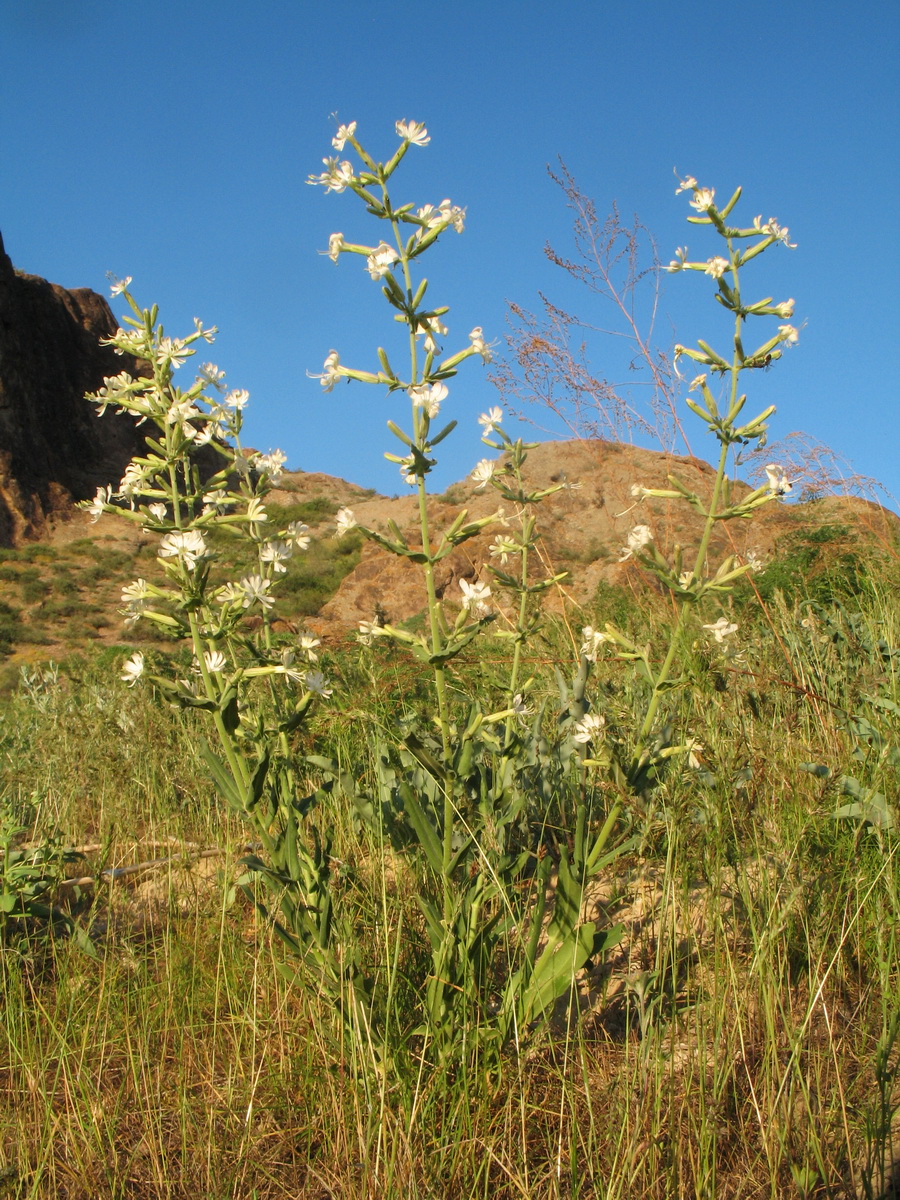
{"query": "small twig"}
[(113, 874)]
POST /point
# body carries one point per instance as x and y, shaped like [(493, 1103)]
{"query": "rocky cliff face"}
[(54, 448)]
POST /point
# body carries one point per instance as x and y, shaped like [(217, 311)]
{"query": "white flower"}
[(181, 413), (189, 547), (335, 246), (451, 214), (368, 631), (638, 491), (717, 266), (215, 501), (479, 345), (697, 381), (208, 335), (332, 372), (157, 511), (428, 396), (588, 728), (677, 263), (277, 553), (308, 645), (216, 661), (695, 752), (288, 668), (345, 521), (237, 399), (174, 352), (336, 176), (344, 132), (271, 464), (722, 629), (753, 560), (134, 597), (256, 513), (778, 483), (298, 533), (255, 590), (316, 682), (380, 261), (593, 640), (95, 508), (210, 373), (133, 669), (413, 132), (490, 420), (432, 329), (639, 537), (118, 286), (502, 547), (475, 595), (686, 185), (773, 229), (703, 199), (482, 473), (785, 310), (789, 335)]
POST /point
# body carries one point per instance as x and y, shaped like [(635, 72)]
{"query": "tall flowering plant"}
[(689, 578), (472, 799), (196, 492)]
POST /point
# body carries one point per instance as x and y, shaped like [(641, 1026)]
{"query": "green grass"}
[(730, 1048)]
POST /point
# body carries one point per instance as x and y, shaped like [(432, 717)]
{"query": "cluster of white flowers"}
[(271, 464)]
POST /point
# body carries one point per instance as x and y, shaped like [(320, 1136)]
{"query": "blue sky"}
[(171, 142)]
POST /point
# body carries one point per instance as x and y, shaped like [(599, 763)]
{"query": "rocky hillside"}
[(584, 527)]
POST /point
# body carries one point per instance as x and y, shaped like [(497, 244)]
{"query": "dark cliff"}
[(54, 448)]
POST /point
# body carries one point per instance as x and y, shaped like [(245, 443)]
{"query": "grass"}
[(731, 1047), (61, 596)]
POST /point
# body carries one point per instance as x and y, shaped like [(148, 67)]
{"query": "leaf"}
[(872, 810), (222, 777), (425, 831)]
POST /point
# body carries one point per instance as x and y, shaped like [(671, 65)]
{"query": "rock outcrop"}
[(54, 447)]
